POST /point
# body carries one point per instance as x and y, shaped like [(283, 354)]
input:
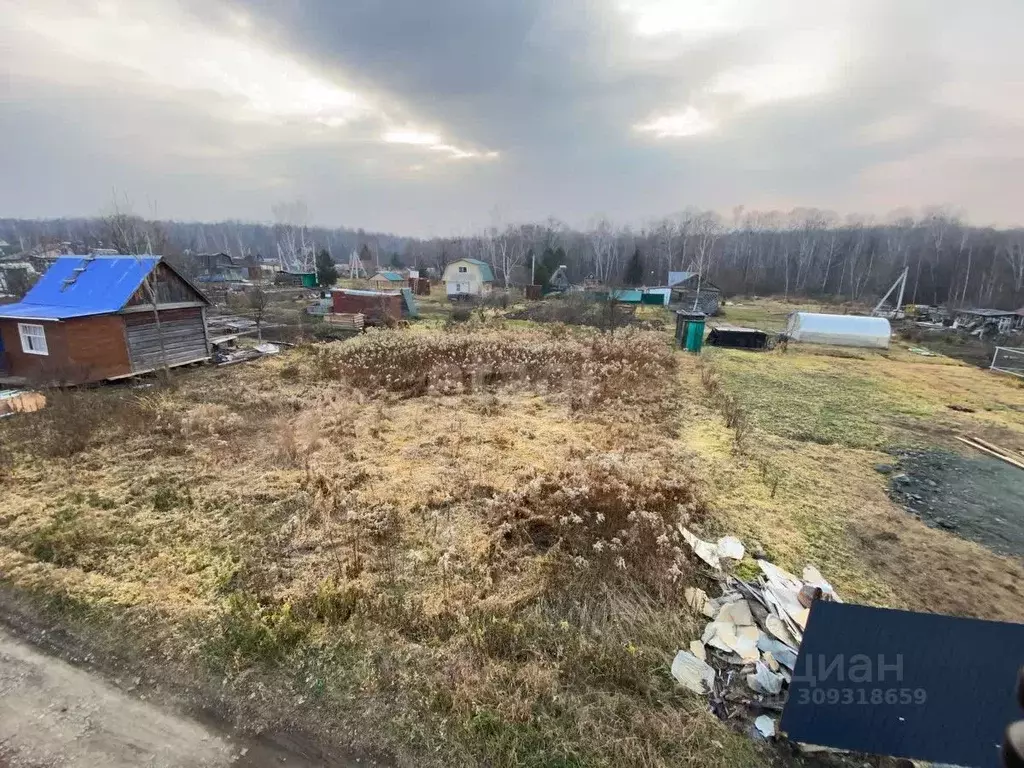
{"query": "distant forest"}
[(805, 252)]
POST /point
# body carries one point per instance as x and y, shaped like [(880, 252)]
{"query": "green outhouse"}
[(690, 330)]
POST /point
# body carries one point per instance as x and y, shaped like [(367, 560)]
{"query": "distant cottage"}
[(999, 320), (219, 268), (468, 277), (685, 293), (385, 281), (91, 318)]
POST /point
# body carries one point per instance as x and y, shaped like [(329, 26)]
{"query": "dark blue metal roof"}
[(80, 286)]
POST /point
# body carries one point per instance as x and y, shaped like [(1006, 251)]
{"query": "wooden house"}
[(388, 281), (91, 318), (468, 277), (992, 320), (692, 292), (378, 307)]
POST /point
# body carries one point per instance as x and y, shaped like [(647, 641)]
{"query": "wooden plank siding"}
[(170, 289), (184, 338), (79, 350)]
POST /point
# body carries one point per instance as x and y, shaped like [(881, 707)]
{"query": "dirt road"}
[(53, 714)]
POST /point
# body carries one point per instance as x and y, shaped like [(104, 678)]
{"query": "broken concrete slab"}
[(692, 673), (778, 629), (779, 651), (697, 649), (704, 550), (696, 598), (737, 612), (764, 681), (765, 726), (730, 547)]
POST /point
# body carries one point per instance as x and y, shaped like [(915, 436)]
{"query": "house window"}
[(33, 339), (463, 269)]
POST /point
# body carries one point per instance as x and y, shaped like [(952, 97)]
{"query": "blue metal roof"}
[(103, 286), (627, 295), (394, 277)]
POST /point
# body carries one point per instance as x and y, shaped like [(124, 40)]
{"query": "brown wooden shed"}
[(379, 307), (91, 318)]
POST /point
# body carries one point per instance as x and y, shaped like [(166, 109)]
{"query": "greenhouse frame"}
[(839, 330)]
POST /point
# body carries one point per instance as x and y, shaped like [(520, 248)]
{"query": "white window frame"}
[(463, 270), (33, 339)]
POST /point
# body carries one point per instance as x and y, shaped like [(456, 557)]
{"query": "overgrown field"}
[(462, 547), (458, 544), (816, 423)]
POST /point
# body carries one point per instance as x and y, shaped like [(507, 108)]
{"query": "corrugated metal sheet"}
[(358, 292), (184, 342), (79, 286), (410, 303), (627, 295)]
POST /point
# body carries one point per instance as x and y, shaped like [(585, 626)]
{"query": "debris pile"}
[(14, 401), (746, 655), (227, 353)]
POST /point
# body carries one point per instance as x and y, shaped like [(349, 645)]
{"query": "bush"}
[(594, 366), (605, 517), (252, 632)]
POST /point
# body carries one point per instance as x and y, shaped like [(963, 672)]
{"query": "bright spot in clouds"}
[(410, 136), (162, 47), (181, 54), (433, 142), (689, 122), (798, 63), (689, 18)]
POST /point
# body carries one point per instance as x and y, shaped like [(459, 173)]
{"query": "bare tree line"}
[(802, 252)]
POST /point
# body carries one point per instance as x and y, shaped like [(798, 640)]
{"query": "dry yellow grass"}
[(358, 551), (333, 555), (823, 417)]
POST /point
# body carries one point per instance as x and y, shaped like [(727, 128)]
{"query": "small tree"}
[(257, 299), (365, 257), (634, 270), (132, 235), (326, 270), (19, 281)]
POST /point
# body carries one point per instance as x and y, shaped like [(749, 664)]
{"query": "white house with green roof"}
[(468, 277)]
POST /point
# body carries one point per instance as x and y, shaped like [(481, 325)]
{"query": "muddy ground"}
[(977, 497)]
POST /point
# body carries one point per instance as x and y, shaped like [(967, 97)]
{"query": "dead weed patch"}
[(608, 518)]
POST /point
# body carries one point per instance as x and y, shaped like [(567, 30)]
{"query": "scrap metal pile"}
[(745, 658)]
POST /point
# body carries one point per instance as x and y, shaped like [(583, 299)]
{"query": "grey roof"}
[(988, 312), (674, 278)]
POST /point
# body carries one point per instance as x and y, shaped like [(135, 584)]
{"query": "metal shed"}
[(840, 330)]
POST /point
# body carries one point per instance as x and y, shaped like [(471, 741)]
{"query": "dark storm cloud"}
[(424, 116)]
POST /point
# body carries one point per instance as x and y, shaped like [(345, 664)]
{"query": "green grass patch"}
[(821, 399)]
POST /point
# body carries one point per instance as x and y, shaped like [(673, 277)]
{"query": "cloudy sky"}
[(443, 116)]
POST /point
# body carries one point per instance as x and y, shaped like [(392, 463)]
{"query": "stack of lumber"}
[(351, 322), (17, 401), (1016, 459)]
